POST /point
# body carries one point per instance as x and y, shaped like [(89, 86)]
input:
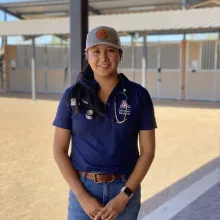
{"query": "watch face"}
[(128, 191)]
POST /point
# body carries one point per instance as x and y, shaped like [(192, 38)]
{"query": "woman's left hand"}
[(113, 208)]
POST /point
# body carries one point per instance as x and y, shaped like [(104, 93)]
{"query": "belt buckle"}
[(94, 175)]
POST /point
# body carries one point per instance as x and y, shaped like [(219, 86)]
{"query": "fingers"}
[(98, 216), (106, 214), (111, 216), (92, 214)]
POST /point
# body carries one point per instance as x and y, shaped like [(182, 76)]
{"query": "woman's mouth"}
[(104, 65)]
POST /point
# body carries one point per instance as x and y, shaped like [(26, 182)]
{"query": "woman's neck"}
[(107, 84)]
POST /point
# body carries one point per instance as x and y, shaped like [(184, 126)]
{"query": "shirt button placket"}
[(107, 124)]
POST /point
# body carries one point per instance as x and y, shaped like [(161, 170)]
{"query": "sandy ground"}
[(31, 186)]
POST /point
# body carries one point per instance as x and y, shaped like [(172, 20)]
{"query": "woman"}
[(103, 113)]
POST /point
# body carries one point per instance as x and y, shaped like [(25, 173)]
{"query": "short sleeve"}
[(147, 116), (63, 115)]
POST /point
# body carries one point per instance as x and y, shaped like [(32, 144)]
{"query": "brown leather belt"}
[(101, 178)]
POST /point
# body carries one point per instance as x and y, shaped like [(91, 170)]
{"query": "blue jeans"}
[(104, 192)]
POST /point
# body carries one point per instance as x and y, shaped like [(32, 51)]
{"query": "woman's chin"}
[(106, 73)]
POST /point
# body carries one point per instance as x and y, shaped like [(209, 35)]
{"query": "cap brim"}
[(107, 43)]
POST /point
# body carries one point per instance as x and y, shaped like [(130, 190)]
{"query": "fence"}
[(164, 74)]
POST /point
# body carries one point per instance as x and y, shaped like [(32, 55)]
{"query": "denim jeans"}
[(104, 192)]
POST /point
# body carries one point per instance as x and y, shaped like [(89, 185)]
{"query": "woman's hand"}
[(113, 208), (90, 205)]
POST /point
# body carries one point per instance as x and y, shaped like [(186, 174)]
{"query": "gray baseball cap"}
[(103, 35)]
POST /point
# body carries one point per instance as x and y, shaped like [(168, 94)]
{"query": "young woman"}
[(103, 114)]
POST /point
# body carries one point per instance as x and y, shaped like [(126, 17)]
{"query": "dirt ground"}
[(31, 186)]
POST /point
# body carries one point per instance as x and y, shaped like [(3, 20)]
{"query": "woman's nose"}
[(104, 56)]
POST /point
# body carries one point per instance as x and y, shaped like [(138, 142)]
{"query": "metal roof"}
[(34, 9), (177, 21)]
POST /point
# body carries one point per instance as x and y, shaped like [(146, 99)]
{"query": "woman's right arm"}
[(60, 151)]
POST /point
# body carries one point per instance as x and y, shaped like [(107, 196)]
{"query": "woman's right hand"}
[(90, 205)]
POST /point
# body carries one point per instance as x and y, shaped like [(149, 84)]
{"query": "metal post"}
[(133, 56), (45, 68), (184, 4), (187, 70), (215, 72), (158, 71), (78, 32), (5, 37), (184, 37), (144, 61), (33, 70), (184, 7), (3, 77)]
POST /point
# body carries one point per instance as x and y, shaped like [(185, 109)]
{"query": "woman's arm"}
[(147, 153), (60, 151)]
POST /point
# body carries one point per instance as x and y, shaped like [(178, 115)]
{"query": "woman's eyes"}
[(96, 51), (111, 50)]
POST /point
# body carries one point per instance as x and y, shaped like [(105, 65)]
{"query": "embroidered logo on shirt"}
[(124, 104), (122, 109)]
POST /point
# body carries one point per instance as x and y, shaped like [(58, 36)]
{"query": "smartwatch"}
[(127, 191)]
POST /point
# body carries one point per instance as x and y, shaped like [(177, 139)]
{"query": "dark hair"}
[(84, 88)]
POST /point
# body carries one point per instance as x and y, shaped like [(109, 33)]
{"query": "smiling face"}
[(103, 60)]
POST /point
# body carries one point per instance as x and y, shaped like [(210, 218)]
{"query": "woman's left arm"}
[(147, 153)]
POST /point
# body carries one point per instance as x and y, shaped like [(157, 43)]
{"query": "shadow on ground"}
[(171, 191), (163, 102)]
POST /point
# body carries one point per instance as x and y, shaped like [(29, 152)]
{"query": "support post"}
[(144, 60), (184, 4), (4, 38), (133, 56), (33, 70), (183, 70), (3, 73), (78, 32), (159, 69)]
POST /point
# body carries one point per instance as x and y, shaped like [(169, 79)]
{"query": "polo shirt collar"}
[(123, 82)]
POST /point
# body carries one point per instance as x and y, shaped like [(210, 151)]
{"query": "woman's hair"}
[(84, 88)]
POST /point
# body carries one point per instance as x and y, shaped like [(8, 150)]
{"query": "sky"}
[(48, 39)]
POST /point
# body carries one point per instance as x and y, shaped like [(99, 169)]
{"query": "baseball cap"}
[(103, 35)]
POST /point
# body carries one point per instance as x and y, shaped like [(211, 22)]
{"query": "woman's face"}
[(103, 59)]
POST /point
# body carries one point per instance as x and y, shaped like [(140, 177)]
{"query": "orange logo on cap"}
[(102, 34)]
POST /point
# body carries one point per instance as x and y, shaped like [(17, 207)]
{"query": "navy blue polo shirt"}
[(102, 145)]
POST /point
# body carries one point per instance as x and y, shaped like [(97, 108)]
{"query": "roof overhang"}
[(166, 22)]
